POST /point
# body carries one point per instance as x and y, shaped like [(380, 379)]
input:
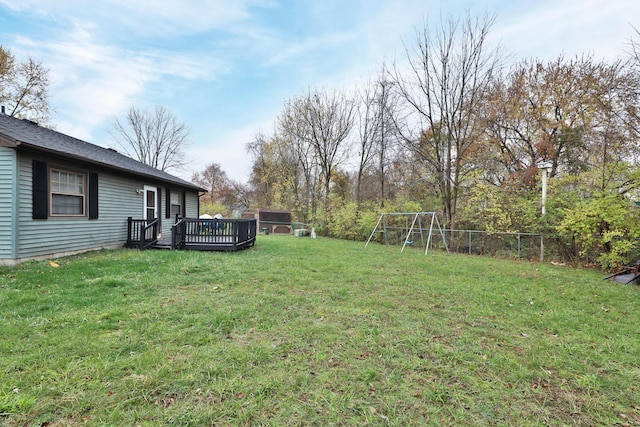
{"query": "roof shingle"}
[(29, 134)]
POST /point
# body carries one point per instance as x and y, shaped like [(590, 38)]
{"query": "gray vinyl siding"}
[(165, 223), (7, 204), (117, 200), (192, 208)]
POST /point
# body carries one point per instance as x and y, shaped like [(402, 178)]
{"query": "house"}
[(60, 195)]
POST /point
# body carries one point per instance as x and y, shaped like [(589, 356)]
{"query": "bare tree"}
[(448, 74), (264, 177), (155, 138), (321, 121), (375, 124), (367, 123), (24, 88), (634, 47), (293, 146), (634, 65)]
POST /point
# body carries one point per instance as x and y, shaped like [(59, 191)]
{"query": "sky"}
[(225, 68)]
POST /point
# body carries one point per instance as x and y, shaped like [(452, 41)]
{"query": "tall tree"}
[(222, 190), (320, 120), (263, 171), (576, 114), (24, 87), (376, 107), (213, 179), (449, 73), (634, 64), (367, 126), (276, 176), (294, 149), (156, 138)]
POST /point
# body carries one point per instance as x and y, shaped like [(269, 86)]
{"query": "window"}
[(68, 192), (58, 192), (176, 204)]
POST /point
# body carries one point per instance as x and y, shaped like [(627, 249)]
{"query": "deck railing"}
[(218, 234), (141, 233), (194, 233)]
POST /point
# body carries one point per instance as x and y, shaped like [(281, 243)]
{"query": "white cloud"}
[(92, 81), (227, 148), (152, 18), (107, 55), (574, 27)]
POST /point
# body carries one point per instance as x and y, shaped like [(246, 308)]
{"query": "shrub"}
[(608, 224), (345, 222)]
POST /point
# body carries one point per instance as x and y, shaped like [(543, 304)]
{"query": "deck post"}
[(129, 220)]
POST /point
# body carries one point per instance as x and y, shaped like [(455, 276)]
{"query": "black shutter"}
[(167, 208), (184, 205), (159, 208), (93, 195), (39, 190)]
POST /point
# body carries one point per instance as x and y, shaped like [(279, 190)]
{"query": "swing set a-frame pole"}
[(426, 248), (416, 218), (374, 230)]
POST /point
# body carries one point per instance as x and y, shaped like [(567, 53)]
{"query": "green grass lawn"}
[(298, 331)]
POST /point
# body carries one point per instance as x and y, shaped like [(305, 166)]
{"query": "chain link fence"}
[(411, 230), (525, 246), (529, 246)]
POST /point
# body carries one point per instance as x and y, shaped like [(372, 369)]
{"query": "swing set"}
[(395, 228)]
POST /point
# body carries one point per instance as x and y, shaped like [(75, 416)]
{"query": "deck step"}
[(162, 244)]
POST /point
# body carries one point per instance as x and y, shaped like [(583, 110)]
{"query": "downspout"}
[(200, 194)]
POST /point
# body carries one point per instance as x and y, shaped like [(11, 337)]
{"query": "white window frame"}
[(175, 199), (67, 192)]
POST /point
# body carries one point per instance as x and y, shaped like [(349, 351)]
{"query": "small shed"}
[(272, 220)]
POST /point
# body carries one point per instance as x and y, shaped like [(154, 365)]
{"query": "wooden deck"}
[(204, 235)]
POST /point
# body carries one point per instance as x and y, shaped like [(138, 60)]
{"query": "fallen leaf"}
[(54, 264), (634, 416)]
